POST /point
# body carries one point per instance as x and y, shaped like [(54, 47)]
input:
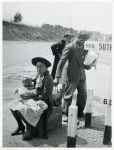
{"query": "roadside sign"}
[(96, 45)]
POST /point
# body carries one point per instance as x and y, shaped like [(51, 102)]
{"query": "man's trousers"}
[(80, 85)]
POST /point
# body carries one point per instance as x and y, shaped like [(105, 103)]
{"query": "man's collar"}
[(79, 46), (45, 75), (75, 44)]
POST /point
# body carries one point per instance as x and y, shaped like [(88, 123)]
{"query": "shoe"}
[(16, 132), (28, 136), (65, 118), (77, 122), (81, 114), (63, 113), (45, 136)]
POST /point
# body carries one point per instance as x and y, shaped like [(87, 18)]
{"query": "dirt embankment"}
[(17, 32)]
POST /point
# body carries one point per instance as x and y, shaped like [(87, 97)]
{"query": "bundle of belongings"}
[(91, 59)]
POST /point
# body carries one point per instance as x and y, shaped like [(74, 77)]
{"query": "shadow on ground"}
[(97, 123), (57, 138)]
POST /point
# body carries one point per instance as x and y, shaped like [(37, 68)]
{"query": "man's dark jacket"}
[(57, 48)]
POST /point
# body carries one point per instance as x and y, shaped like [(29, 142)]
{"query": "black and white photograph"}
[(57, 74)]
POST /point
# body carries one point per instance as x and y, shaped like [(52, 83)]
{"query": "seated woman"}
[(44, 85)]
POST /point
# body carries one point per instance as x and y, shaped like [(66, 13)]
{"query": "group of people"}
[(36, 102)]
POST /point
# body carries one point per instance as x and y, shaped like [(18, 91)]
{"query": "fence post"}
[(108, 128), (89, 104), (72, 126)]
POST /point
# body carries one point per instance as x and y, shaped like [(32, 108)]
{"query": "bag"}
[(57, 97), (91, 58)]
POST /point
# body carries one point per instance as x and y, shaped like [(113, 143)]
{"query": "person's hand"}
[(87, 67), (25, 97), (56, 81)]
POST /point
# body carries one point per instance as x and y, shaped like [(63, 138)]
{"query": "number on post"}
[(105, 101), (110, 102)]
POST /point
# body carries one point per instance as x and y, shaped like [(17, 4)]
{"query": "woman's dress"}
[(30, 109)]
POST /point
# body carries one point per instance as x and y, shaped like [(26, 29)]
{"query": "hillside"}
[(16, 32)]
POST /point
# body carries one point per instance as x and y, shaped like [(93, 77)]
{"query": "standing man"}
[(57, 50), (74, 53)]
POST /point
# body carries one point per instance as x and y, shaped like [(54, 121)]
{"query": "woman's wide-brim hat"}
[(68, 34), (40, 59)]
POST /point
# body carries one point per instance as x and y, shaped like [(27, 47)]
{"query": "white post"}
[(108, 128), (108, 121), (72, 126), (89, 104)]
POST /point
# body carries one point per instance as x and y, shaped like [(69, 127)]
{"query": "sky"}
[(78, 15)]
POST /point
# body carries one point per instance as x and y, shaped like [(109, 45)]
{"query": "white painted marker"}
[(72, 126), (89, 104)]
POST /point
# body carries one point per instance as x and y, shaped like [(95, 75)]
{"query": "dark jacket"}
[(75, 57), (46, 91), (57, 48)]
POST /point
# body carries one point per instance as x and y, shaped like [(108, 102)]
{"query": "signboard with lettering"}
[(96, 45)]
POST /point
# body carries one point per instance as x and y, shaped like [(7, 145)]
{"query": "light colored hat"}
[(84, 34), (68, 34)]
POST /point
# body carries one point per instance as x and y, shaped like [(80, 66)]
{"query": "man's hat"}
[(84, 34), (68, 34), (40, 59)]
